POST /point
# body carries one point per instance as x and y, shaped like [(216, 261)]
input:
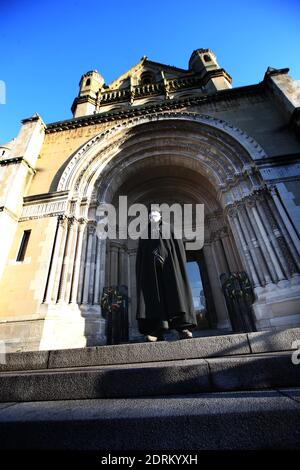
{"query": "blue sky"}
[(45, 46), (196, 283)]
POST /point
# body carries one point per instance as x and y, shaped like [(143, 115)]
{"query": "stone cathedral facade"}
[(157, 133)]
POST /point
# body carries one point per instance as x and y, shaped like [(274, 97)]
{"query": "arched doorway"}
[(175, 157), (171, 181)]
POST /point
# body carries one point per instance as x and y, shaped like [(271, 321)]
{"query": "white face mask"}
[(155, 216)]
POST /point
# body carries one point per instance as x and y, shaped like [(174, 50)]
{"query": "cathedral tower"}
[(204, 62), (89, 86)]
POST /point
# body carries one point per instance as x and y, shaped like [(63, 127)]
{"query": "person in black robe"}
[(164, 296)]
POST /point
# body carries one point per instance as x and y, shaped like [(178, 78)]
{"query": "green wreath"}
[(245, 289), (112, 300)]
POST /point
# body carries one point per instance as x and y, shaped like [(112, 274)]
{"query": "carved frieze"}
[(43, 209)]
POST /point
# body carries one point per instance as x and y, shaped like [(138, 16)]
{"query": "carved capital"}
[(71, 221), (231, 211), (251, 200), (91, 226), (114, 246), (63, 221), (82, 221)]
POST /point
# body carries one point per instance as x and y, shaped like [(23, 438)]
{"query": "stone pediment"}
[(149, 81), (146, 71)]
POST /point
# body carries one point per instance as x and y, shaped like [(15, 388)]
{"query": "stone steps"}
[(246, 372), (208, 421), (212, 364), (219, 392), (196, 348)]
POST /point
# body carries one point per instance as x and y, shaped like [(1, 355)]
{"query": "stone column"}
[(252, 243), (264, 238), (236, 252), (241, 241), (71, 260), (219, 256), (99, 256), (49, 295), (67, 261), (91, 229), (100, 277), (262, 221), (284, 241), (265, 254), (75, 281), (123, 266), (107, 264), (114, 255), (229, 253), (82, 263), (58, 270), (93, 268), (219, 300), (285, 225), (133, 325)]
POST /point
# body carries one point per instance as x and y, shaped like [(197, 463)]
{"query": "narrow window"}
[(88, 82), (23, 246)]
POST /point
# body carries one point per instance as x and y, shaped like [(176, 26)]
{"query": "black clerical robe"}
[(164, 296)]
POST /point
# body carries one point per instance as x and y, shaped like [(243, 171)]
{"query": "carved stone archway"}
[(170, 181), (208, 161)]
